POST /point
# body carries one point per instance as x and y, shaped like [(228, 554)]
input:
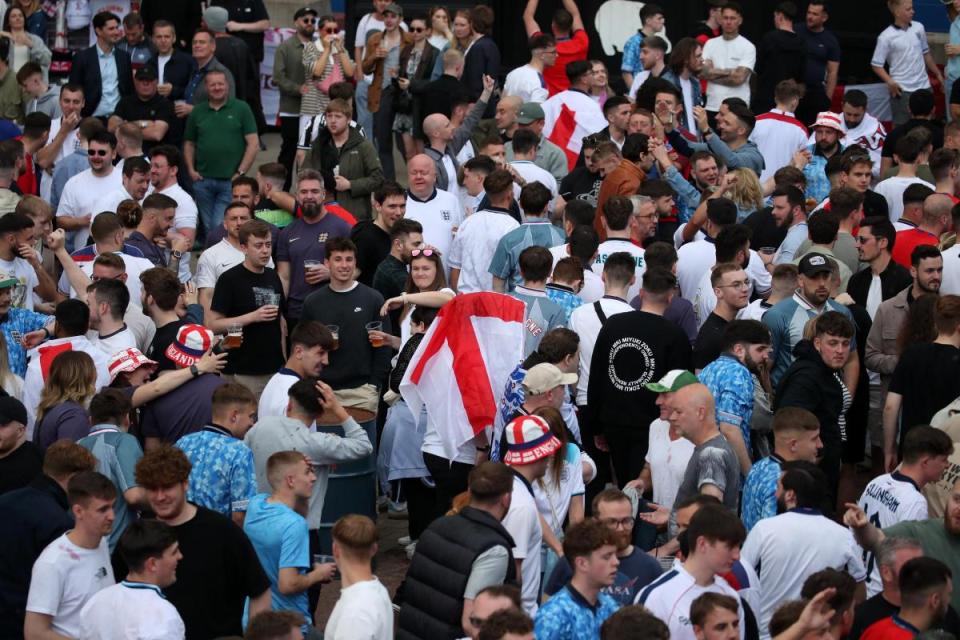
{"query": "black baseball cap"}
[(12, 410), (145, 73), (302, 11), (814, 263)]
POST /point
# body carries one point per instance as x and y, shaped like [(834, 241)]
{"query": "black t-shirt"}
[(580, 184), (935, 128), (240, 291), (874, 204), (709, 341), (373, 245), (19, 468), (162, 339), (928, 378), (633, 348), (247, 11), (218, 572), (132, 108), (766, 233)]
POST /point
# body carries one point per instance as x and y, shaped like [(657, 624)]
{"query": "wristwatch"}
[(176, 254), (144, 124), (194, 371)]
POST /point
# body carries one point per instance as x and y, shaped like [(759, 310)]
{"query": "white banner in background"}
[(269, 94)]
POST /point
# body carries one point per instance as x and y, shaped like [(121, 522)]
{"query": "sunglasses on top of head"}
[(421, 252)]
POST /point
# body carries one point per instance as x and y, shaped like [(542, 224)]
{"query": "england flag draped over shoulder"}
[(459, 370), (569, 116)]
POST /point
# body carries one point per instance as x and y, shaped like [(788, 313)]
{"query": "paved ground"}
[(390, 565)]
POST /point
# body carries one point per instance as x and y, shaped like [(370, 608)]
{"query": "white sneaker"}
[(404, 541)]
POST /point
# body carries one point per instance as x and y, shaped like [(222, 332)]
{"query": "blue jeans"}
[(212, 196), (364, 117)]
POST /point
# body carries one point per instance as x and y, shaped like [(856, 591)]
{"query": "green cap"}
[(673, 381), (7, 280)]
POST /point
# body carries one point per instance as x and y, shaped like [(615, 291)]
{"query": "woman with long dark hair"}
[(24, 46), (427, 285)]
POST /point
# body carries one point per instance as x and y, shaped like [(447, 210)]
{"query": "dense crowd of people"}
[(732, 412)]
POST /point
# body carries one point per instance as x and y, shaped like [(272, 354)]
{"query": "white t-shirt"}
[(892, 189), (669, 598), (473, 248), (81, 196), (27, 278), (131, 611), (617, 245), (888, 500), (441, 216), (363, 612), (951, 271), (553, 499), (903, 50), (786, 549), (274, 399), (64, 578), (523, 524), (532, 173), (115, 342), (586, 323), (693, 260), (638, 81), (134, 266), (111, 200), (70, 144), (754, 310), (217, 259), (527, 84), (728, 54), (162, 65), (668, 462), (184, 218), (592, 283), (778, 135)]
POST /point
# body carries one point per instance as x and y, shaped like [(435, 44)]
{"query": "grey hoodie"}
[(279, 433)]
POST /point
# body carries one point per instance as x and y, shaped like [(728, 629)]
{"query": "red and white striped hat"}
[(193, 340), (128, 360), (830, 120), (529, 439)]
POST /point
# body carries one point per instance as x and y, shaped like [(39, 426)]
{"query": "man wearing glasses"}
[(84, 190), (732, 288), (637, 568), (288, 74)]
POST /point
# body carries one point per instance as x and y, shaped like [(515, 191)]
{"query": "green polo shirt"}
[(218, 135)]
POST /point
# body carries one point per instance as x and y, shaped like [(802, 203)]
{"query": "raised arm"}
[(571, 6), (529, 21)]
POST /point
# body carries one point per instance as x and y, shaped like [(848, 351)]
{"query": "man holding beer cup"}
[(246, 309)]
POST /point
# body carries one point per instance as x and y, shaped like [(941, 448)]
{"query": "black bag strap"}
[(600, 314)]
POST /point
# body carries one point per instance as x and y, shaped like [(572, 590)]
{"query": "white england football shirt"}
[(441, 215), (887, 500), (617, 245), (669, 598)]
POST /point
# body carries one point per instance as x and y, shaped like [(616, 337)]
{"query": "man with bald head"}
[(437, 210), (445, 141), (936, 220), (713, 468), (549, 156)]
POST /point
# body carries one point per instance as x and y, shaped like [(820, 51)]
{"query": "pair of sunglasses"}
[(421, 252)]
